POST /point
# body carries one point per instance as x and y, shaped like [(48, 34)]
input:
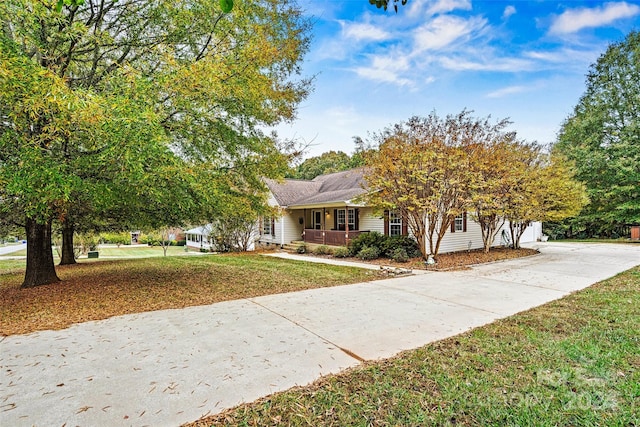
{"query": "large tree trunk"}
[(68, 257), (40, 267)]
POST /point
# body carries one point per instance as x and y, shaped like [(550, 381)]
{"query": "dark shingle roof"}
[(334, 187)]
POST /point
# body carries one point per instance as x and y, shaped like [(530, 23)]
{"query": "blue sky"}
[(523, 60)]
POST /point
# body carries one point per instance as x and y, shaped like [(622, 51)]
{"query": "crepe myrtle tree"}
[(422, 169)]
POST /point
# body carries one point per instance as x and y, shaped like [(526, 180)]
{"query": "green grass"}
[(123, 251), (618, 240), (572, 362)]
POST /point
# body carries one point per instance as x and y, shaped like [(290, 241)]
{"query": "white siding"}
[(533, 233), (290, 224), (371, 222), (462, 240)]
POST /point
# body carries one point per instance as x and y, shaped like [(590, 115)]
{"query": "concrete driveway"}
[(8, 249), (169, 367)]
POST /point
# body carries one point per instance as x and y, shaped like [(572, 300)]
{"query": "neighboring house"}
[(325, 211), (198, 237)]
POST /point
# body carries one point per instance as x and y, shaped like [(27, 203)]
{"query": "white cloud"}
[(509, 65), (565, 57), (444, 6), (508, 12), (363, 31), (385, 68), (509, 90), (574, 20), (443, 31)]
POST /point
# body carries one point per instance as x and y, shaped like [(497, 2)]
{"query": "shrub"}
[(149, 239), (399, 255), (370, 240), (407, 243), (122, 238), (341, 252), (368, 253), (88, 241), (322, 250), (301, 249)]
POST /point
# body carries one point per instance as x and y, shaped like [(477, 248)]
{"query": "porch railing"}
[(329, 237)]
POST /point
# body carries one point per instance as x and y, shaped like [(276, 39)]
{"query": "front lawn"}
[(101, 289), (571, 362), (124, 251)]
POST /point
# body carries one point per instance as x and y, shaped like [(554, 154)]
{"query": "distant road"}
[(4, 250)]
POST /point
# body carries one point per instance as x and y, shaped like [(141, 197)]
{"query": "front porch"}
[(329, 225), (330, 237)]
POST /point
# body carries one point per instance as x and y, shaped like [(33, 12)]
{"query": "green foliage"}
[(152, 126), (368, 253), (226, 5), (322, 250), (155, 239), (602, 138), (399, 255), (406, 243), (88, 242), (385, 245), (372, 240), (61, 3), (341, 252), (329, 162), (122, 238), (384, 4)]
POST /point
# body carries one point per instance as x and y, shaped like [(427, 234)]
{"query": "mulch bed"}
[(452, 261)]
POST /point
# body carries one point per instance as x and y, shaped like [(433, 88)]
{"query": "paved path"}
[(169, 367), (4, 250)]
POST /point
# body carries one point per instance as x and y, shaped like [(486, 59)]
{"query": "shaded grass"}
[(575, 361), (98, 290)]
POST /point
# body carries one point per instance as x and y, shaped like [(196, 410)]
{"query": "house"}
[(201, 238), (198, 238), (326, 210)]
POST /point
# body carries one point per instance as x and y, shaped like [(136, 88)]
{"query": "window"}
[(341, 219), (267, 226), (459, 223), (342, 216), (395, 224)]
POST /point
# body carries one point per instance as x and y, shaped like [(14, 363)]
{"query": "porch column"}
[(304, 224), (346, 225), (324, 225)]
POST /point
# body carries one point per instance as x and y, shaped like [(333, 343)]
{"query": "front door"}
[(317, 220)]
